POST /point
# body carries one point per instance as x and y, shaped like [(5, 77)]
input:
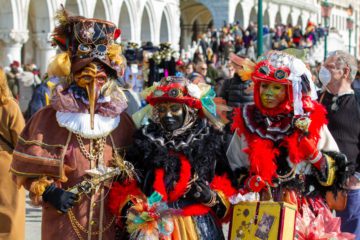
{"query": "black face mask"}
[(172, 116)]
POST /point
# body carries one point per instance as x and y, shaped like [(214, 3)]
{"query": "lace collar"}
[(273, 128), (79, 123), (158, 135)]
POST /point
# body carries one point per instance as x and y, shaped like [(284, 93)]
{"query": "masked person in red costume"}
[(67, 154), (180, 158), (282, 145)]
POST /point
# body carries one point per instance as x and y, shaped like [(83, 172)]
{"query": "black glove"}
[(200, 191), (59, 198)]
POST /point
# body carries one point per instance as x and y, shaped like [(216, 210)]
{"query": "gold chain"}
[(99, 143), (77, 226), (290, 174)]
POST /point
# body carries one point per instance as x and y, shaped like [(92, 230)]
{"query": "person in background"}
[(13, 78), (356, 83), (189, 69), (12, 199), (27, 83), (336, 75), (235, 90), (199, 76)]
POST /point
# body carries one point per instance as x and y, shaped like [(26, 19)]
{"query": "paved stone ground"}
[(33, 222)]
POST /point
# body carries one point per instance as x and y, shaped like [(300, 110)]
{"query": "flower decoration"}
[(194, 90), (150, 219)]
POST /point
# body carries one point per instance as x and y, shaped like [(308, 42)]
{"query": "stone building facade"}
[(198, 15), (26, 25)]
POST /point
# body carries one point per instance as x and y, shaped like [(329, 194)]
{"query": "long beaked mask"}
[(91, 78)]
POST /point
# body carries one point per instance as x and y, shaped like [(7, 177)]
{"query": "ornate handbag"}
[(263, 220)]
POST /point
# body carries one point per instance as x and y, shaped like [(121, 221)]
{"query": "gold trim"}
[(224, 200), (32, 174), (38, 143), (61, 170), (330, 162), (24, 155)]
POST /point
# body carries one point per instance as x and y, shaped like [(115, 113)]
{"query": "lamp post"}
[(325, 13), (260, 29), (349, 24)]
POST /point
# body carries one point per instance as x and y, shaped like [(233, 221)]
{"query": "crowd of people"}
[(129, 142)]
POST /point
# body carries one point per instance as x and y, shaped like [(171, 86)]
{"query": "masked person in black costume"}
[(180, 156)]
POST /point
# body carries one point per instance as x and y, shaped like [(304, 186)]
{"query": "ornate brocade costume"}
[(79, 136), (46, 149)]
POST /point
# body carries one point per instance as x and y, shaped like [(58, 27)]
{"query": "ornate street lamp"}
[(349, 23), (325, 13)]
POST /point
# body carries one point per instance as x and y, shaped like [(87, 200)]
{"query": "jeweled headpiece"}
[(181, 90), (281, 67), (85, 40)]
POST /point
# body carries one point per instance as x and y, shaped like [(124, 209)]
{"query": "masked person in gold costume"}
[(67, 155)]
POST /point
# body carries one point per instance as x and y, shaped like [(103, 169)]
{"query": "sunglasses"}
[(334, 104)]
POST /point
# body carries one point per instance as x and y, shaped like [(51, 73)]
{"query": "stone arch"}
[(164, 28), (73, 7), (289, 19), (239, 15), (39, 17), (146, 25), (253, 16), (300, 22), (126, 23), (195, 19), (100, 10), (278, 18), (40, 25), (266, 18), (7, 12)]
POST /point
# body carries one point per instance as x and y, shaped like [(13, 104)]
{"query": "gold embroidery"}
[(24, 155), (36, 142), (32, 174)]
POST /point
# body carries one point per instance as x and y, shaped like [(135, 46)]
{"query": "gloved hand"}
[(309, 147), (59, 198), (255, 183), (200, 191)]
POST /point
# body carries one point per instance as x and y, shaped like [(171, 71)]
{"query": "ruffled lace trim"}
[(79, 123)]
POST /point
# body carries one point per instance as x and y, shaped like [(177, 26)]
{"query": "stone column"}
[(13, 41), (46, 51)]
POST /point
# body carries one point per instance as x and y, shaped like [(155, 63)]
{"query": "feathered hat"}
[(84, 40), (181, 90), (281, 67)]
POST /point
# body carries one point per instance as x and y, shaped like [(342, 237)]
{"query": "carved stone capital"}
[(14, 37), (42, 41)]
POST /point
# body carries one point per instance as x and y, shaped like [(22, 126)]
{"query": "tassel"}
[(60, 66)]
